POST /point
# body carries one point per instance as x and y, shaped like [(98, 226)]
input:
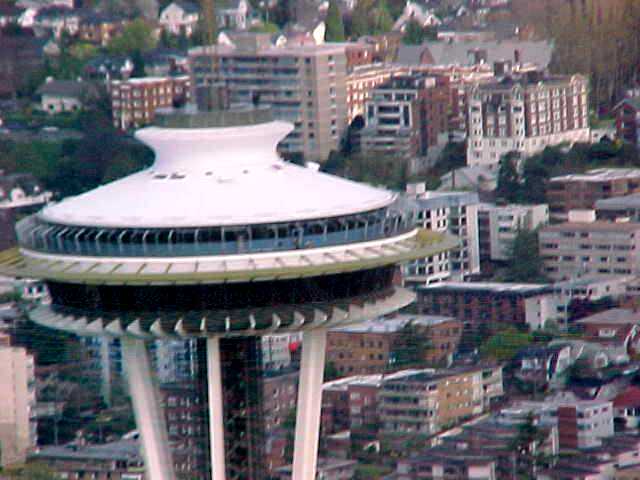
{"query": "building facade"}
[(134, 101), (446, 212), (427, 401), (498, 226), (304, 84), (407, 114), (485, 306), (17, 403), (582, 191), (590, 248), (525, 115), (628, 120)]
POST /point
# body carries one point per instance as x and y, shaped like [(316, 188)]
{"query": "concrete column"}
[(216, 412), (305, 453), (148, 412)]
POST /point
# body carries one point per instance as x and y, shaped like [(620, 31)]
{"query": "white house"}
[(233, 14), (418, 13), (59, 96), (180, 18)]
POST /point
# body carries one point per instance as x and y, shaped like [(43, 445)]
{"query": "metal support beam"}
[(148, 412), (305, 454), (216, 413)]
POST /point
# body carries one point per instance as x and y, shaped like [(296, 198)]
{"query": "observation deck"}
[(222, 230)]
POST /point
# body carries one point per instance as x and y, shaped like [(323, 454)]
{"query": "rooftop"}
[(127, 450), (489, 287), (597, 226), (619, 316), (600, 175), (241, 181), (627, 201), (391, 325), (65, 88)]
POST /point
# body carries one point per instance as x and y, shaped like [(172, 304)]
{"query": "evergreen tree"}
[(525, 264), (413, 33), (335, 27), (508, 183)]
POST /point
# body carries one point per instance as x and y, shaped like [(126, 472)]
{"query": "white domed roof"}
[(217, 176)]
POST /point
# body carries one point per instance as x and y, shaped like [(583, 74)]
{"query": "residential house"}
[(626, 408), (180, 17), (628, 119), (233, 14), (543, 365), (616, 330), (58, 96), (415, 12), (100, 28)]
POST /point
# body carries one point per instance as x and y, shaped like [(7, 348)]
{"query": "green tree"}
[(411, 347), (136, 36), (330, 371), (508, 182), (414, 33), (525, 264), (382, 20), (265, 27), (505, 344), (335, 27)]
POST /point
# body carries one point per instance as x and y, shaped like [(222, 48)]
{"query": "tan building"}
[(17, 384), (361, 82), (427, 401), (134, 101), (600, 248), (304, 84)]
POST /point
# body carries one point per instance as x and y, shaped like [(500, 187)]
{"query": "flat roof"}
[(119, 450), (597, 226), (599, 175), (619, 316), (391, 325), (627, 201), (494, 287)]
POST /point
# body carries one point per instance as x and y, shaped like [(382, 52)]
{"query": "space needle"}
[(220, 240)]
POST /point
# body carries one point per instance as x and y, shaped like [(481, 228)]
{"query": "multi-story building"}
[(426, 401), (119, 460), (407, 115), (134, 101), (593, 248), (361, 83), (452, 212), (525, 115), (276, 350), (626, 208), (628, 119), (580, 423), (484, 306), (303, 83), (351, 403), (279, 393), (371, 347), (498, 226), (17, 402), (583, 190)]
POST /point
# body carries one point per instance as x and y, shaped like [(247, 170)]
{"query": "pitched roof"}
[(188, 7), (64, 88), (457, 53)]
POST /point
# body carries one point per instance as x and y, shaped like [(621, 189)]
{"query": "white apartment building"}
[(525, 115), (276, 350), (447, 212), (17, 402), (498, 226)]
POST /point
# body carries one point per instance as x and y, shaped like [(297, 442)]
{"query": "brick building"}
[(628, 119), (598, 248), (525, 114), (134, 101), (280, 395), (407, 115), (361, 82), (485, 306), (583, 190), (371, 347)]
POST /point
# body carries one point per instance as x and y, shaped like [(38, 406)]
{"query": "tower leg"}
[(216, 414), (148, 412), (305, 453)]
